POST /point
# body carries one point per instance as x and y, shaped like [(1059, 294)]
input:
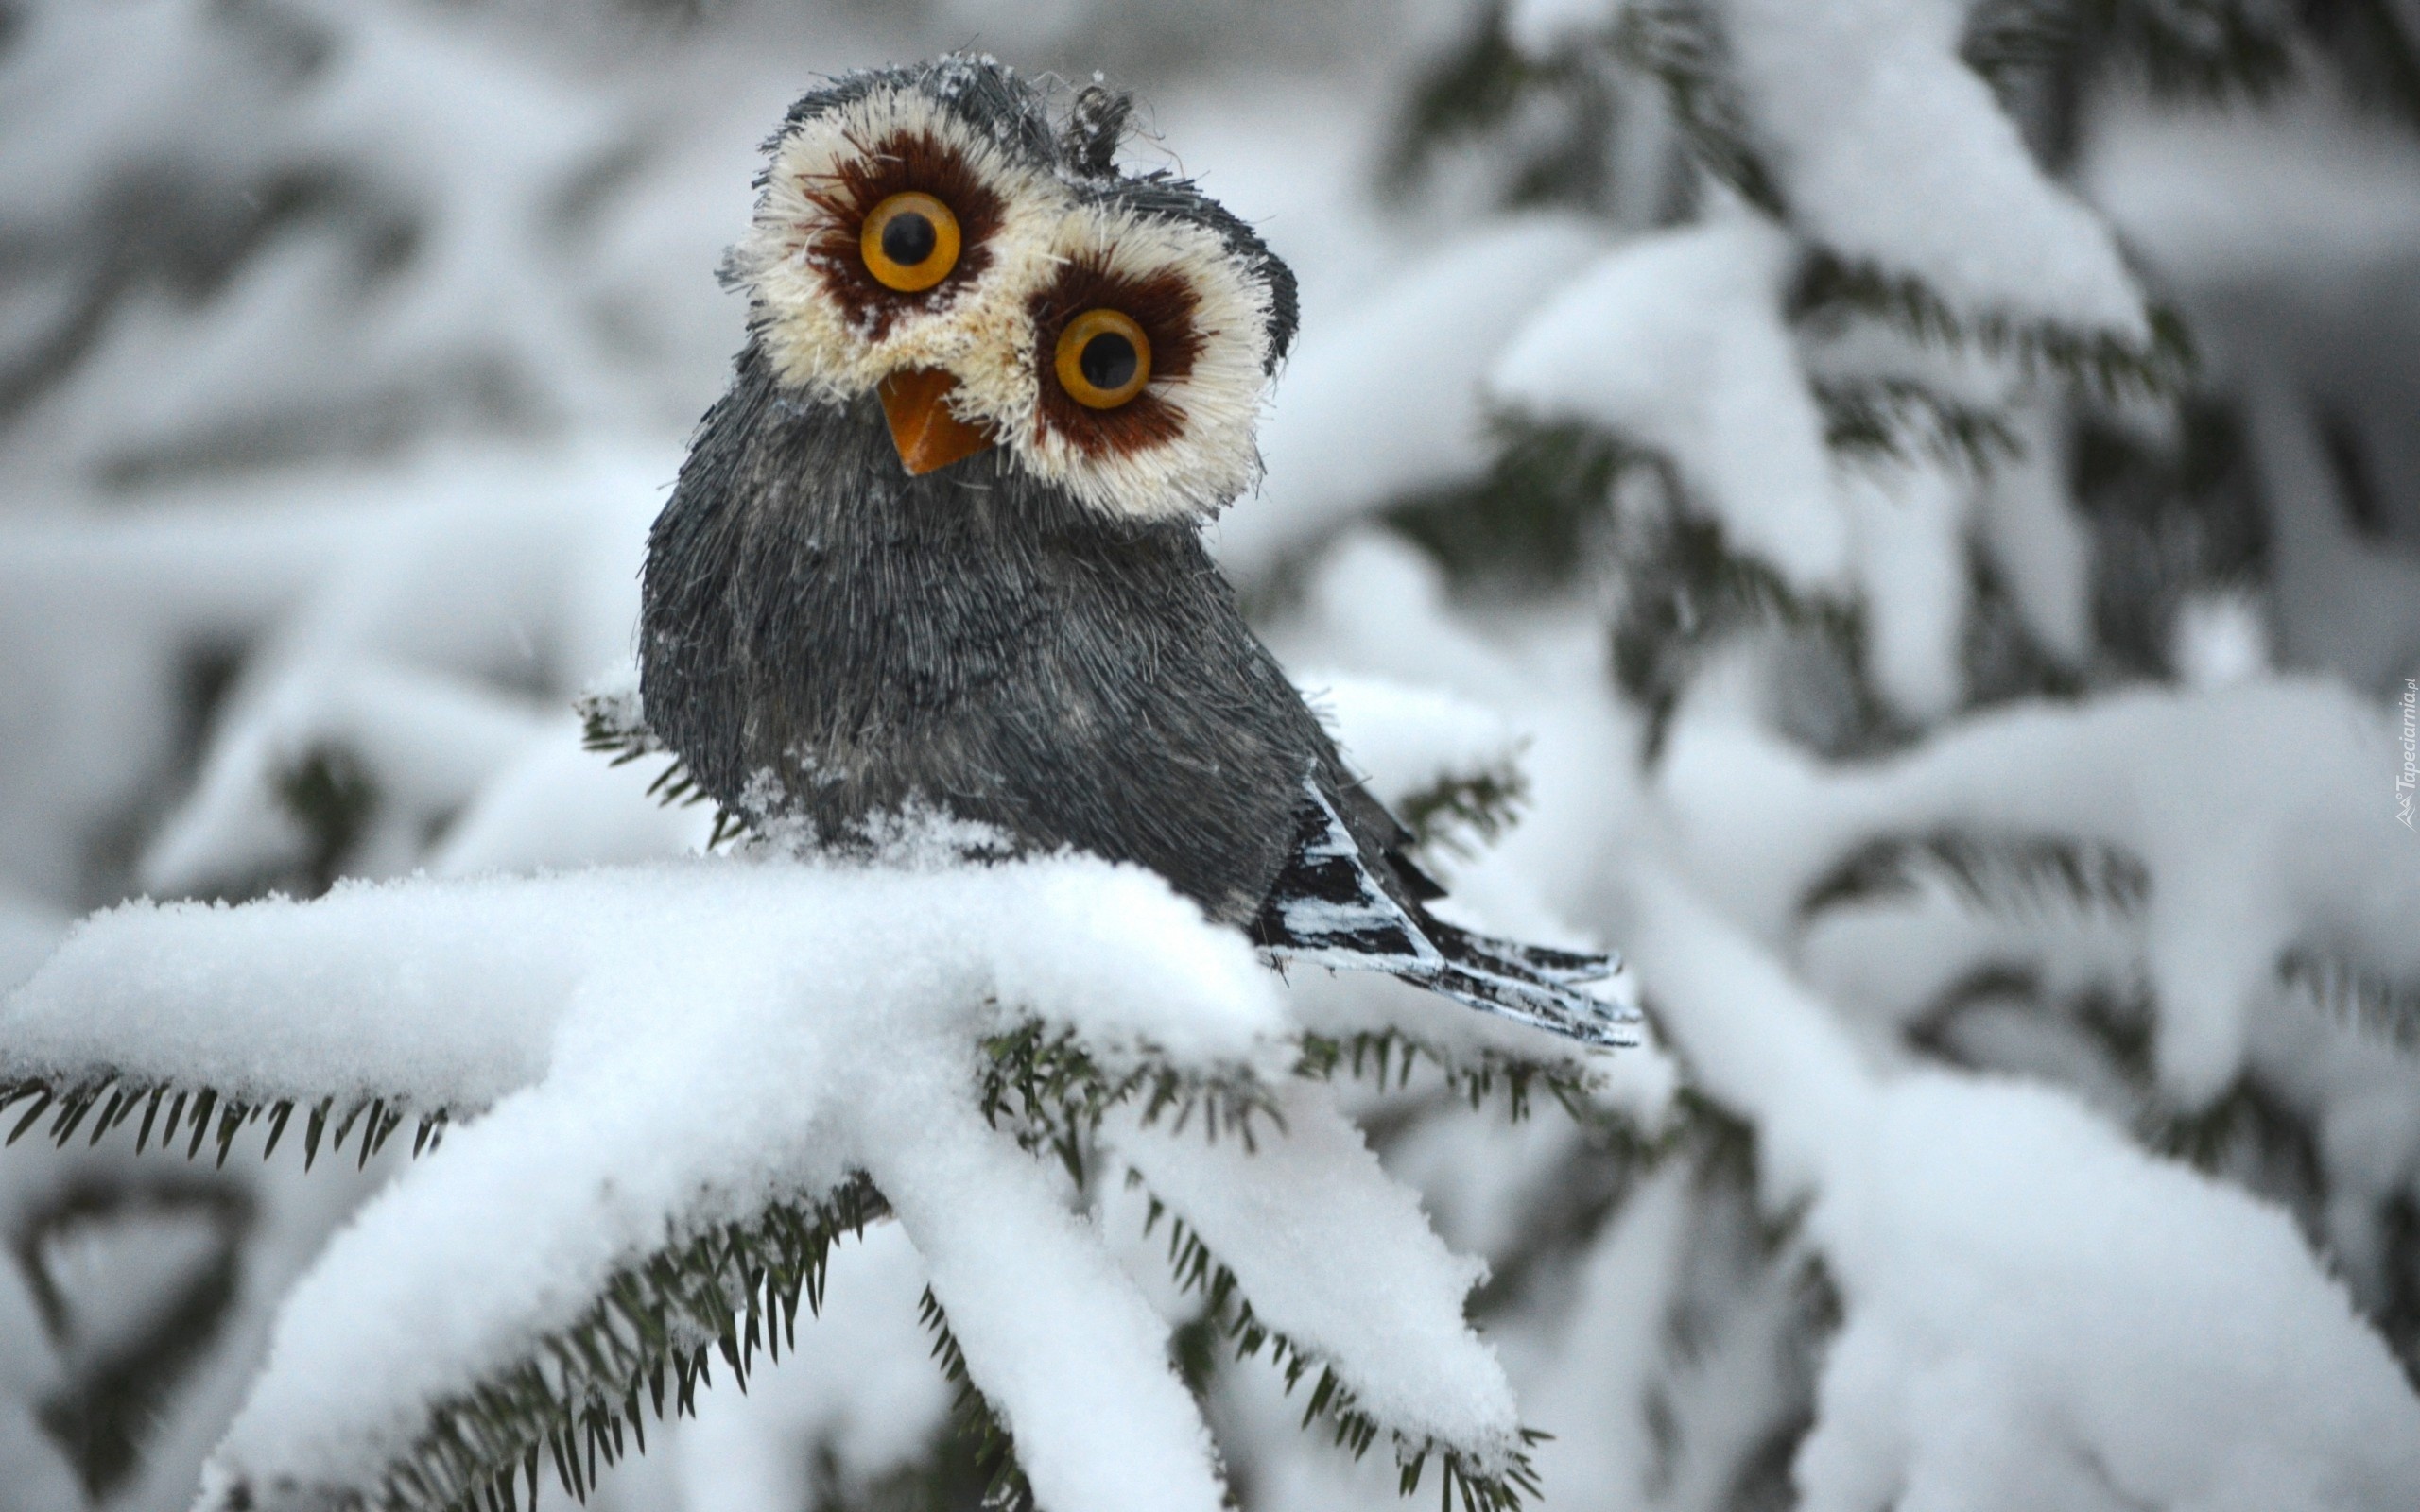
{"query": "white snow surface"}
[(2306, 189), (641, 1052), (1890, 151), (693, 1041), (2264, 812), (1335, 1255), (1406, 739), (1675, 341), (453, 993), (1541, 28), (2035, 539), (1909, 520), (860, 1385), (2037, 1312)]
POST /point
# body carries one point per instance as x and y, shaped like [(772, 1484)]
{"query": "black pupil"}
[(1107, 361), (908, 238)]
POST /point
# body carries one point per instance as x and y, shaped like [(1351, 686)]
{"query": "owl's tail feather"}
[(1328, 909)]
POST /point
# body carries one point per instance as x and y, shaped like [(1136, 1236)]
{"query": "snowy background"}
[(1756, 436)]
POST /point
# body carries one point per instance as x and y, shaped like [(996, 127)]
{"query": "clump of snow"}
[(2263, 812), (1909, 519), (1675, 341), (703, 1031), (2034, 538), (2218, 639), (450, 994), (556, 804), (2304, 189), (1541, 28), (862, 1387), (2031, 1302), (1407, 739), (660, 1049), (1056, 1335), (1890, 151), (422, 701), (1335, 1255)]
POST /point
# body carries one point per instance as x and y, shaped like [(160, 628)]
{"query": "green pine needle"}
[(202, 1117), (1195, 1270), (580, 1400), (1390, 1058), (1993, 873), (1050, 1092)]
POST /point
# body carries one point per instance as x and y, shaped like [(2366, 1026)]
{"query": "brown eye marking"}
[(1160, 308), (902, 163)]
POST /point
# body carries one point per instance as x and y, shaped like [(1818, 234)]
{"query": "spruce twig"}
[(1475, 1488), (1996, 873), (1390, 1058), (580, 1398), (202, 1117)]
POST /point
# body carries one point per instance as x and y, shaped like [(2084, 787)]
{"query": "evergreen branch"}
[(2371, 1003), (1530, 517), (1901, 418), (171, 1113), (1475, 1488), (612, 724), (1551, 120), (330, 794), (1993, 873), (1464, 813), (2204, 49), (1050, 1091), (1389, 1057), (1686, 595), (1831, 289), (580, 1397), (2250, 1128), (1005, 1486), (1680, 44)]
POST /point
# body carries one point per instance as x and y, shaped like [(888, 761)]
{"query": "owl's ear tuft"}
[(1095, 125)]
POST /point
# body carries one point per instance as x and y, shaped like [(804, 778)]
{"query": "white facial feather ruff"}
[(984, 333)]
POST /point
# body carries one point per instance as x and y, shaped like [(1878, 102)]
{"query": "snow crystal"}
[(1890, 151), (1675, 341)]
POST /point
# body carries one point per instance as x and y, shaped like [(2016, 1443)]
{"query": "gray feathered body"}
[(831, 638)]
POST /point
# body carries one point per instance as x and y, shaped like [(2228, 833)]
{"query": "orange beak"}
[(928, 436)]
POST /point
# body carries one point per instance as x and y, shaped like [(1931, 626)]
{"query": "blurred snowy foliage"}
[(1903, 514)]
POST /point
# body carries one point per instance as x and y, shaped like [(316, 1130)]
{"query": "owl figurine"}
[(939, 548)]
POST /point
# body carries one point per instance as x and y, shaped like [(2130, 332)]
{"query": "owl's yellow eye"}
[(1104, 359), (910, 242)]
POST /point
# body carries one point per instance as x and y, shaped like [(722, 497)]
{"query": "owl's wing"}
[(1329, 908)]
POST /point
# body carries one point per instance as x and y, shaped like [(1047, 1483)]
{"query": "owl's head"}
[(930, 235)]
